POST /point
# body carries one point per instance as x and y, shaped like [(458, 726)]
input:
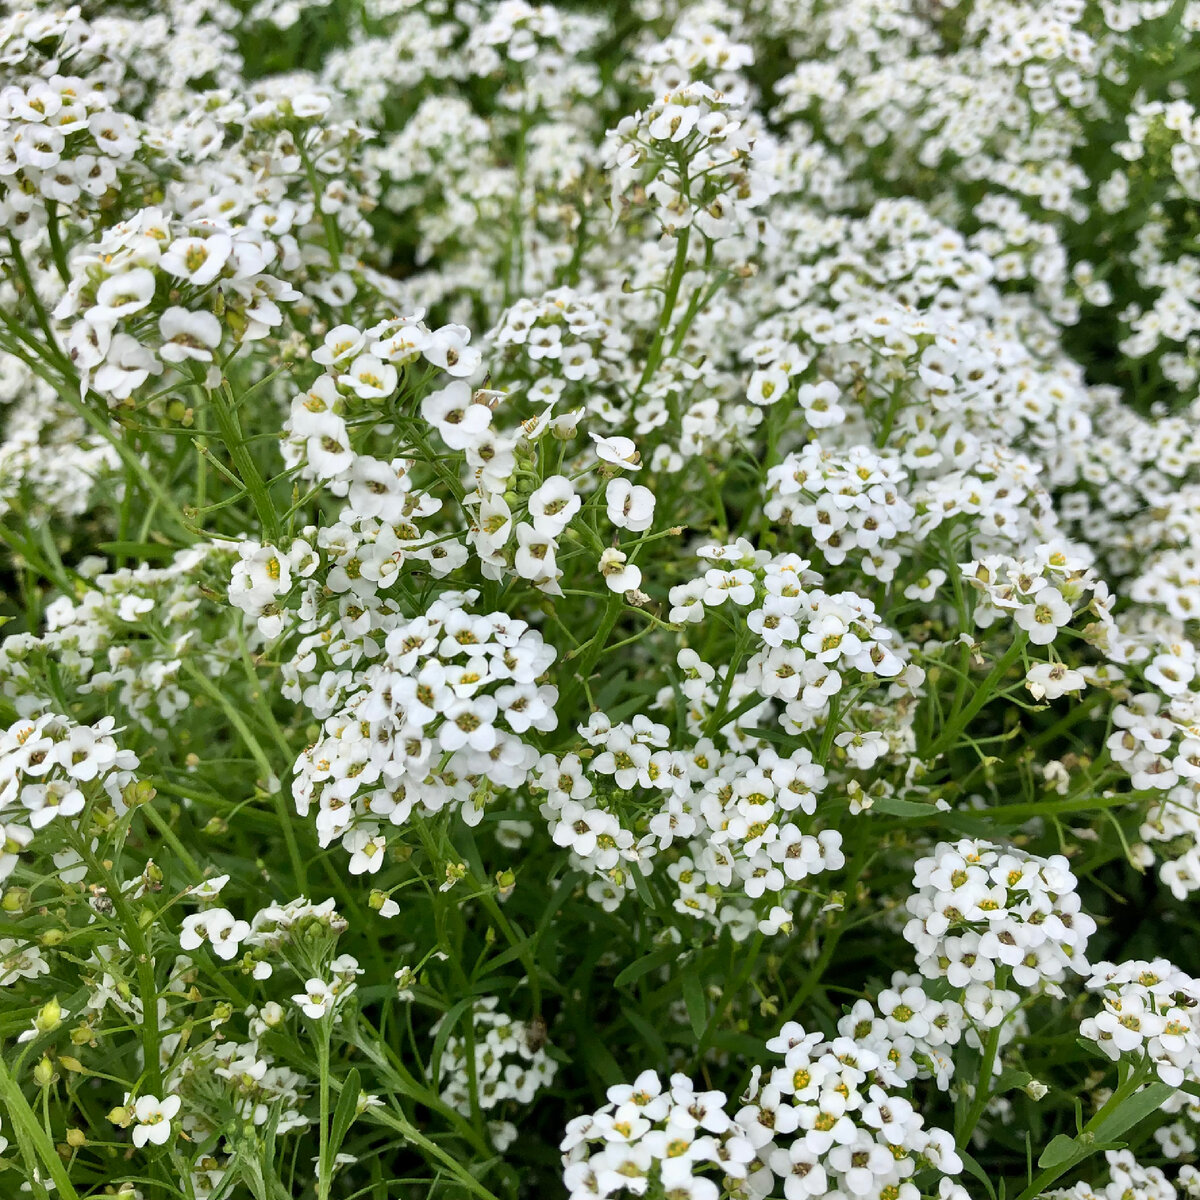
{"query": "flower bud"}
[(49, 1016)]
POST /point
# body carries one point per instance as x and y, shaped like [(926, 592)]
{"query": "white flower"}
[(127, 366), (1043, 616), (197, 260), (219, 928), (188, 335), (370, 378), (459, 421), (629, 507), (1051, 680), (366, 851), (447, 348), (618, 450), (620, 575), (820, 404), (926, 587), (120, 295), (535, 556), (209, 889), (341, 344), (154, 1119), (553, 505), (316, 999)]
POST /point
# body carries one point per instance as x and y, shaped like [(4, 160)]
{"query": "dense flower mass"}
[(600, 600)]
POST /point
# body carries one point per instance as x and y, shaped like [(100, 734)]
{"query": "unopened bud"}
[(49, 1016), (138, 792)]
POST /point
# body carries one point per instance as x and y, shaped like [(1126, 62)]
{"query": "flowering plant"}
[(600, 601)]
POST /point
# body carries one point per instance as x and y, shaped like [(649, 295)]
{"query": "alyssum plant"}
[(600, 603)]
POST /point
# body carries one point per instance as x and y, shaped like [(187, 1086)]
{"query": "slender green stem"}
[(1041, 1182), (332, 235), (147, 987), (323, 1164), (33, 1139), (264, 764), (678, 269), (56, 246), (169, 836), (983, 1086), (985, 692), (243, 460)]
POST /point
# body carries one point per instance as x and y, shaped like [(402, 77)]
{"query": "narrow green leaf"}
[(975, 1169), (344, 1114), (1133, 1109), (896, 807), (646, 1031), (697, 1005), (646, 964), (1010, 1080), (1062, 1149)]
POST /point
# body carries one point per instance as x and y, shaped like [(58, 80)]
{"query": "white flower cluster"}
[(439, 721), (276, 934), (832, 1119), (1127, 1177), (62, 143), (49, 767), (810, 644), (448, 401), (212, 267), (983, 916), (362, 367), (1149, 1011), (511, 1065), (693, 159), (248, 1079), (1040, 594), (729, 827), (847, 503)]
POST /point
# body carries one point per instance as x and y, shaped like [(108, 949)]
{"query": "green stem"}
[(56, 247), (983, 1089), (35, 301), (231, 435), (950, 733), (670, 296), (264, 765), (414, 1135), (169, 836), (323, 1164), (1050, 1174), (332, 236), (147, 988), (32, 1137)]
